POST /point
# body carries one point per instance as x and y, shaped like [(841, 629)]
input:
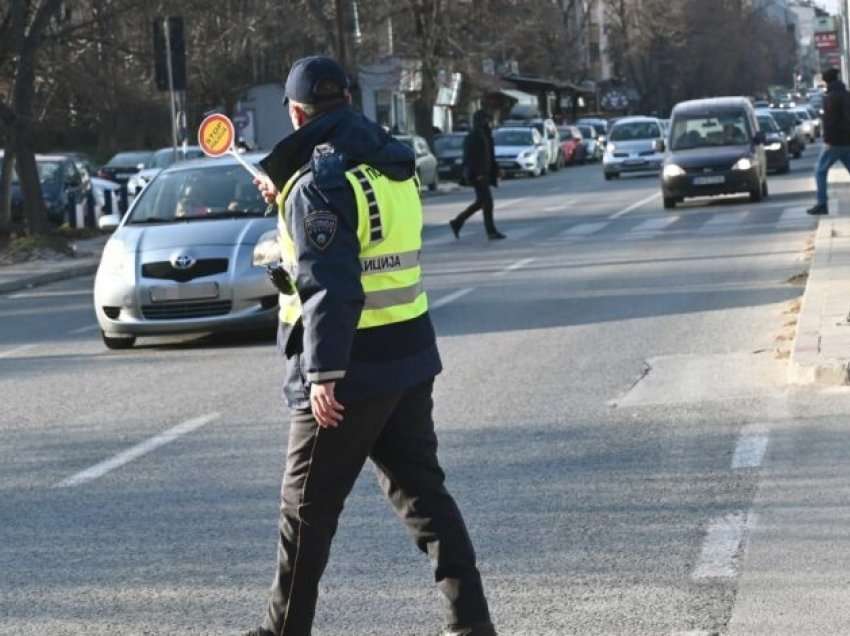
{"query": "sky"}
[(830, 5)]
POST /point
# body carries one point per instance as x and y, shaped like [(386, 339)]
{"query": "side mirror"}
[(109, 222), (660, 146), (759, 138)]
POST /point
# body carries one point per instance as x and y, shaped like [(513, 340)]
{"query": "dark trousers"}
[(397, 433), (484, 202)]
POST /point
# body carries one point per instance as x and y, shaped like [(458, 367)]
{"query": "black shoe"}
[(259, 631), (819, 210), (455, 228), (496, 236), (479, 629)]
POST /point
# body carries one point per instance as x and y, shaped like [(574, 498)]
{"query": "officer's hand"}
[(266, 188), (280, 278), (326, 410)]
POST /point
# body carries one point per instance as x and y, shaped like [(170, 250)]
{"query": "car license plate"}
[(506, 164), (124, 175), (634, 162), (709, 180), (184, 292)]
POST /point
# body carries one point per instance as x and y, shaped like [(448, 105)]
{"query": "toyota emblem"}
[(184, 261)]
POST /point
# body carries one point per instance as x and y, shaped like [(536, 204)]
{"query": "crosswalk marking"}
[(649, 227), (584, 229)]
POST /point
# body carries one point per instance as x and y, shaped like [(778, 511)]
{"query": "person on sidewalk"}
[(836, 136), (481, 171), (361, 354)]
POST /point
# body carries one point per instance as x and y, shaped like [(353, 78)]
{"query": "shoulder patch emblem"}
[(320, 228)]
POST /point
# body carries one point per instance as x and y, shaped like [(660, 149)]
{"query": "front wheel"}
[(117, 342), (757, 195), (435, 184), (670, 203), (764, 192)]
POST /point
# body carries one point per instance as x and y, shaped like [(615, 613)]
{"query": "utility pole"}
[(340, 34), (167, 32)]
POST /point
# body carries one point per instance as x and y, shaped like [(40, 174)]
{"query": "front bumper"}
[(777, 159), (734, 182), (244, 299), (617, 165), (518, 166)]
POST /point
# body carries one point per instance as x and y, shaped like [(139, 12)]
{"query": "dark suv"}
[(715, 147)]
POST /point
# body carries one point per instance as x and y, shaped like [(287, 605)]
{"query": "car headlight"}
[(458, 161), (774, 146), (267, 249), (671, 170), (744, 163), (526, 154), (115, 259)]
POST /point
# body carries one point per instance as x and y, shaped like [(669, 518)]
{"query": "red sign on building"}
[(826, 41)]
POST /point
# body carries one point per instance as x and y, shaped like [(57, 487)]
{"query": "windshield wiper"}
[(150, 220)]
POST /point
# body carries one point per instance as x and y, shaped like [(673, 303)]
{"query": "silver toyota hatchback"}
[(183, 258)]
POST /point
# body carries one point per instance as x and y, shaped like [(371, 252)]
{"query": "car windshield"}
[(513, 138), (785, 119), (721, 129), (165, 157), (48, 172), (802, 114), (768, 125), (448, 143), (124, 159), (198, 194), (587, 131), (634, 131)]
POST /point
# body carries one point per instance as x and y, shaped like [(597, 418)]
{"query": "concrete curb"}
[(821, 351), (86, 268)]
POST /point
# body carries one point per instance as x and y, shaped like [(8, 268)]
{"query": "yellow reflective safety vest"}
[(389, 229)]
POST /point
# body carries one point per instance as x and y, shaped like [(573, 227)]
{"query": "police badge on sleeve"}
[(320, 228)]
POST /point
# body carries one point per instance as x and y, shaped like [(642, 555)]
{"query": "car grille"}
[(164, 270), (647, 153), (178, 311), (708, 170)]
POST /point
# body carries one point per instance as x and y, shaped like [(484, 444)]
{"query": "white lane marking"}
[(563, 205), (751, 447), (649, 227), (794, 211), (445, 300), (85, 329), (50, 294), (509, 202), (442, 240), (515, 266), (11, 352), (635, 206), (583, 229), (125, 457), (723, 543), (726, 218)]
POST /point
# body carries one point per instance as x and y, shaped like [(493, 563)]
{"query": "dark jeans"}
[(484, 202), (829, 156), (397, 433)]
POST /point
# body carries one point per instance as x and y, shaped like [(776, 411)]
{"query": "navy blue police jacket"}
[(326, 342)]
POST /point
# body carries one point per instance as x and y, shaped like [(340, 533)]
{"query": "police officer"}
[(360, 349)]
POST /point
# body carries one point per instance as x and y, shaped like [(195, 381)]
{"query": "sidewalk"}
[(42, 272), (821, 352)]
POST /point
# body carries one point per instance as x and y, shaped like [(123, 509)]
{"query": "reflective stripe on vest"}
[(389, 230)]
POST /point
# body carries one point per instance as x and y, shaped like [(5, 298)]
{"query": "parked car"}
[(162, 158), (818, 121), (520, 150), (776, 146), (807, 123), (62, 187), (593, 150), (632, 147), (426, 162), (449, 151), (600, 128), (125, 164), (572, 145), (182, 259), (551, 137), (716, 148), (787, 121)]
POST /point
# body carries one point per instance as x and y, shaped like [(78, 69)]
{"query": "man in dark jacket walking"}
[(836, 136), (361, 350), (481, 170)]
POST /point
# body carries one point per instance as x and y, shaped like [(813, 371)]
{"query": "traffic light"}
[(178, 53)]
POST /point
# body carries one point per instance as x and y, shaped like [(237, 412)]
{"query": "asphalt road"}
[(613, 375)]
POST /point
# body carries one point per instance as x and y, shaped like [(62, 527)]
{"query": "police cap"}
[(316, 80)]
